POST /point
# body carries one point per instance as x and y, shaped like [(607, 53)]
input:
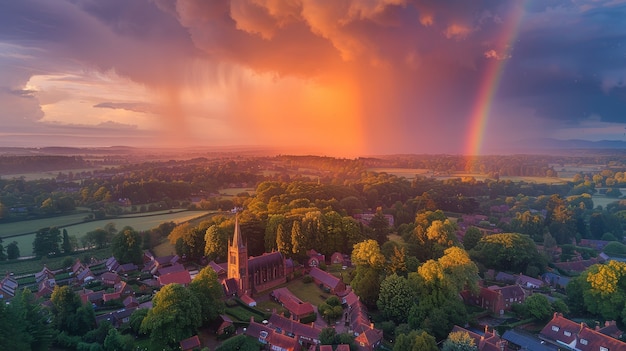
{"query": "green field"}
[(24, 242), (410, 173)]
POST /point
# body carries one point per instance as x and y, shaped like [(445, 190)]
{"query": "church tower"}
[(238, 259)]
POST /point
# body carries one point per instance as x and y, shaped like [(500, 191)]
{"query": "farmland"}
[(145, 222)]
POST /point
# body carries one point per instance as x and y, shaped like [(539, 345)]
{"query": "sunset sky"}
[(340, 77)]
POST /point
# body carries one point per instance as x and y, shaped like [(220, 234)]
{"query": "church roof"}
[(265, 260)]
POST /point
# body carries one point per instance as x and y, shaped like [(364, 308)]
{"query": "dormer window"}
[(584, 341), (555, 328), (567, 333)]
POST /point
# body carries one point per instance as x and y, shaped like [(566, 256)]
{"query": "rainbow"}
[(490, 82)]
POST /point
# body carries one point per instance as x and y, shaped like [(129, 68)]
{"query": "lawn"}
[(308, 292), (269, 306)]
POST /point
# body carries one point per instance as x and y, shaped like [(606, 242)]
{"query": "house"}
[(338, 258), (576, 266), (117, 318), (505, 278), (81, 272), (597, 245), (46, 287), (159, 262), (327, 281), (121, 290), (44, 274), (176, 267), (224, 325), (306, 334), (92, 297), (273, 338), (315, 259), (180, 277), (561, 331), (130, 302), (8, 287), (112, 264), (110, 279), (555, 280), (191, 343), (518, 339), (297, 308), (127, 268), (527, 282), (248, 300), (369, 339), (488, 341), (496, 299), (219, 269)]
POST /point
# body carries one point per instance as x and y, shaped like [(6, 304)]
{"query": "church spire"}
[(237, 240)]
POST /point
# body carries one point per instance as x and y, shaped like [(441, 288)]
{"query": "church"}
[(249, 275)]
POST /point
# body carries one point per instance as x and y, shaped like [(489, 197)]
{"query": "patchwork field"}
[(410, 173), (24, 242)]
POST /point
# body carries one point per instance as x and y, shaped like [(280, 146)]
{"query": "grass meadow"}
[(24, 242), (410, 173)]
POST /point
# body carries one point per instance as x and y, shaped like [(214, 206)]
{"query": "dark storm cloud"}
[(418, 65), (571, 67)]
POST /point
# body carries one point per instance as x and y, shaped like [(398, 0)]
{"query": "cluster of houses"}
[(559, 334), (287, 334)]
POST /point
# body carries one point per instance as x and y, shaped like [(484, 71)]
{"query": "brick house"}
[(327, 281), (561, 331), (496, 299)]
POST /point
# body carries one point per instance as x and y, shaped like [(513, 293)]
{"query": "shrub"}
[(307, 279)]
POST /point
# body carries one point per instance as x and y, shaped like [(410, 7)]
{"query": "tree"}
[(416, 340), (380, 226), (603, 290), (239, 343), (297, 240), (471, 238), (397, 264), (13, 334), (367, 253), (67, 244), (47, 241), (127, 246), (216, 242), (208, 290), (24, 323), (459, 341), (174, 316), (70, 315), (327, 336), (396, 298), (283, 240), (366, 284), (13, 252), (115, 341), (538, 306), (508, 251), (100, 237), (137, 318)]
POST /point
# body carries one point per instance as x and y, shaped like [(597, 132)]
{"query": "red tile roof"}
[(182, 278), (561, 330), (190, 343)]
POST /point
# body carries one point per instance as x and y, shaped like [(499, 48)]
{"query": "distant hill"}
[(552, 146)]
